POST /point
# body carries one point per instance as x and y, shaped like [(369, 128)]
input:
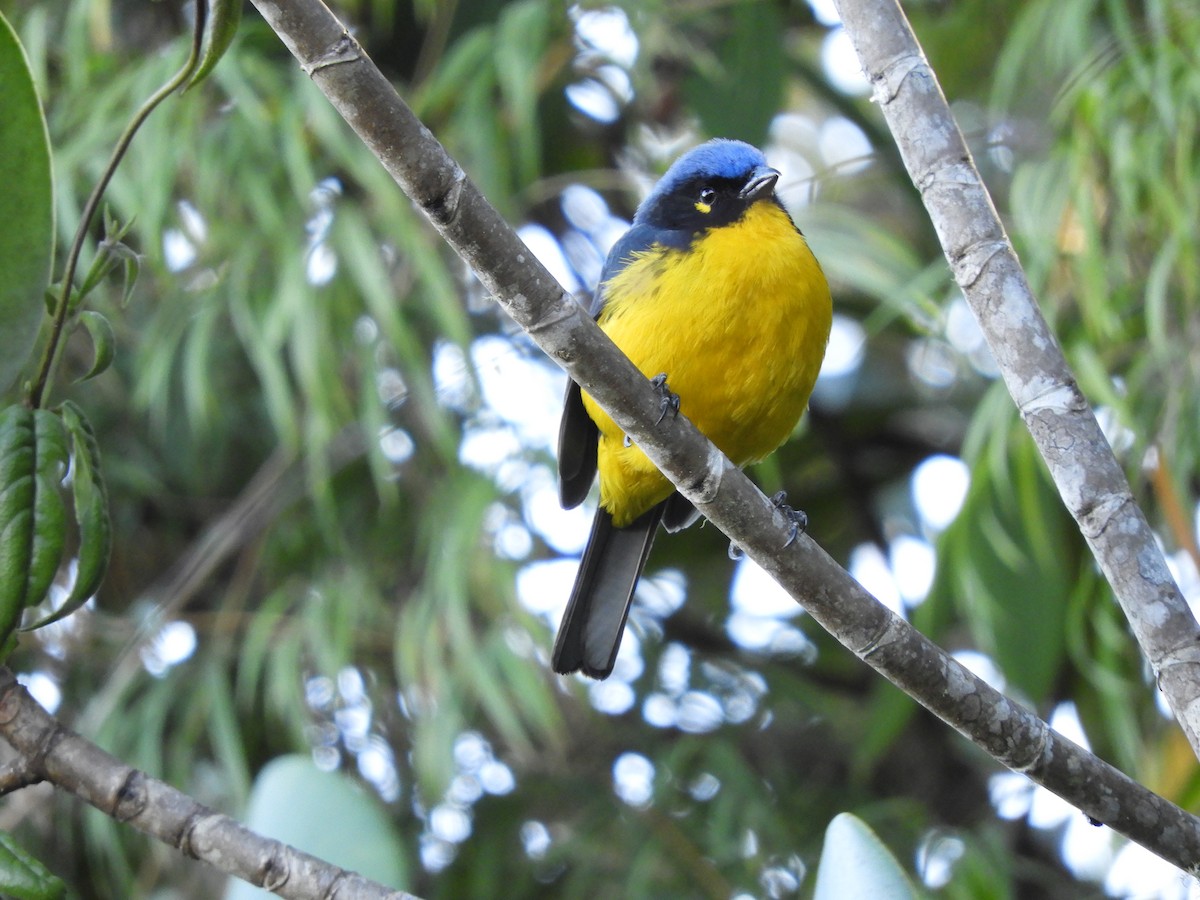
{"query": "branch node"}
[(344, 50), (1059, 398), (704, 487), (10, 702), (974, 259), (893, 74), (444, 209), (131, 798), (1095, 518), (343, 879), (275, 871), (1038, 742), (186, 841), (876, 641), (567, 312), (1185, 654)]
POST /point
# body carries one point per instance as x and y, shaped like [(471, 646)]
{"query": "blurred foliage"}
[(287, 477)]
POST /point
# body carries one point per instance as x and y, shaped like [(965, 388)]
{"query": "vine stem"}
[(58, 321)]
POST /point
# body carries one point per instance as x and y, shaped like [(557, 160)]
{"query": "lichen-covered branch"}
[(51, 752), (420, 165), (1087, 474)]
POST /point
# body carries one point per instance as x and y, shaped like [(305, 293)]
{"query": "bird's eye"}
[(707, 196)]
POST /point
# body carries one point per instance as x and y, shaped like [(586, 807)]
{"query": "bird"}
[(714, 294)]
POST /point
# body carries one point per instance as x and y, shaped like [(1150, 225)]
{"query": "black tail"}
[(591, 629)]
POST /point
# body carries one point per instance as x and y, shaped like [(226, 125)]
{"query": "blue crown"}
[(719, 158)]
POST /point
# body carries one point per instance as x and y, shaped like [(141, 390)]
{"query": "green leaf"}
[(220, 28), (23, 877), (103, 341), (33, 521), (325, 814), (91, 508), (855, 863), (26, 208), (91, 513)]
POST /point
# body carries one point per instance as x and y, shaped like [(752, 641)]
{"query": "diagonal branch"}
[(1088, 476), (1010, 733), (49, 751)]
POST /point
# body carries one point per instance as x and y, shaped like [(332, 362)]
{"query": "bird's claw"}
[(797, 517), (668, 402)]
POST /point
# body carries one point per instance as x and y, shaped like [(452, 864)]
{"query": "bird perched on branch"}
[(714, 292)]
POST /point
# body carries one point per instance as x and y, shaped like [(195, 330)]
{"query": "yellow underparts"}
[(738, 322)]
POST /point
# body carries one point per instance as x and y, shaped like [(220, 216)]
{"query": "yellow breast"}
[(738, 322)]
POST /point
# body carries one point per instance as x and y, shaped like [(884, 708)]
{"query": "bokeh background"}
[(330, 459)]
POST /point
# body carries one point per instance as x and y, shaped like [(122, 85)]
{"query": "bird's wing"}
[(637, 239), (577, 433), (578, 438)]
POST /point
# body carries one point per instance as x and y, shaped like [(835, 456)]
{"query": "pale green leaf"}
[(326, 814), (855, 863)]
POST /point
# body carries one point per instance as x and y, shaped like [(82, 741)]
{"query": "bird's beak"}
[(760, 183)]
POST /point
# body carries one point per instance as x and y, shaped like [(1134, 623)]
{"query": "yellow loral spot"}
[(703, 207)]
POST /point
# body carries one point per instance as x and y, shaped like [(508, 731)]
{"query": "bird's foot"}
[(735, 552), (797, 517), (668, 402)]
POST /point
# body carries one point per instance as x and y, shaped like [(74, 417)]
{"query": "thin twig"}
[(62, 307)]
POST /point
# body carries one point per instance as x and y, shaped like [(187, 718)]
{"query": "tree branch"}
[(422, 168), (1087, 475), (49, 751)]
